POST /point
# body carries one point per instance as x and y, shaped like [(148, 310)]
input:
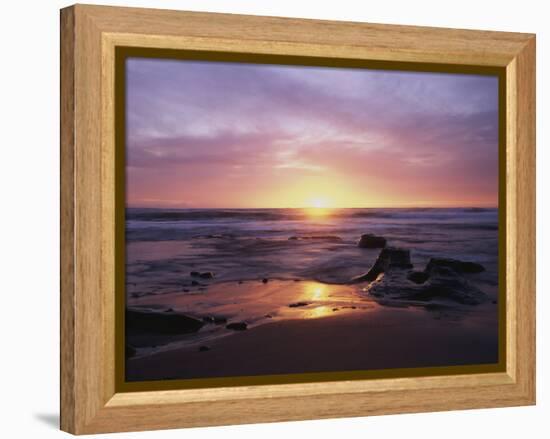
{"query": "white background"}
[(29, 218)]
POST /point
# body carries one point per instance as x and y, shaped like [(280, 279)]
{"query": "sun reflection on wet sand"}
[(314, 291), (256, 303), (319, 311), (323, 300)]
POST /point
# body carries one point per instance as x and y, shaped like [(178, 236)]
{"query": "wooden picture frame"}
[(91, 401)]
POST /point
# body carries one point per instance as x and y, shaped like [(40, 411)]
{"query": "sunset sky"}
[(204, 134)]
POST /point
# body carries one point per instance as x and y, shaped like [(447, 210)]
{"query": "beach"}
[(227, 293)]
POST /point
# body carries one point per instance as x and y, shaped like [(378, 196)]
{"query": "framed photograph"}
[(268, 219)]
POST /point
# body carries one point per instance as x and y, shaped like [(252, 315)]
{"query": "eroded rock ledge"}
[(391, 278)]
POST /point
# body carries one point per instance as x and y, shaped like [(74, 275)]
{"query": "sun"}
[(317, 207), (318, 203)]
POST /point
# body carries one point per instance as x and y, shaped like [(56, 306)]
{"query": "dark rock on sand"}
[(206, 275), (298, 304), (371, 241), (155, 322), (418, 277), (195, 273), (216, 320), (454, 264), (265, 281), (203, 348), (237, 326), (389, 257)]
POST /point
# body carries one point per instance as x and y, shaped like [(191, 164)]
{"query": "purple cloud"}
[(195, 128)]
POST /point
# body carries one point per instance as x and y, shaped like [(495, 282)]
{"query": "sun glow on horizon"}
[(318, 203), (317, 207)]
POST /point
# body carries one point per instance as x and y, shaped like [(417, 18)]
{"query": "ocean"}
[(164, 245), (268, 265)]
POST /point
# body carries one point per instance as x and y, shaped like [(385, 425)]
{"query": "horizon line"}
[(320, 208)]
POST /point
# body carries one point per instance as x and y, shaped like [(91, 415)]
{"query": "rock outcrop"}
[(391, 279), (455, 265), (443, 285), (389, 257), (371, 241)]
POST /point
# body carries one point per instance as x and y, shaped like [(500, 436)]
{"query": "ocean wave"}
[(200, 214), (174, 215)]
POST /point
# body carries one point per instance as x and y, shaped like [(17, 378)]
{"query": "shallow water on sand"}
[(253, 302)]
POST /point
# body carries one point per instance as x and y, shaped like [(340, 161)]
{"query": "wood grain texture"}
[(525, 219), (331, 38), (68, 308), (89, 35)]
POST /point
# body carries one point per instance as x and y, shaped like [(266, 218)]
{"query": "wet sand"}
[(340, 338)]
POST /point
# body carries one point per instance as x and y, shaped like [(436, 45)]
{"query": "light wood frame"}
[(89, 35)]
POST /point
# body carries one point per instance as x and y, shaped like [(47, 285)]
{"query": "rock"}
[(130, 351), (293, 238), (237, 326), (398, 257), (216, 320), (204, 275), (298, 304), (371, 241), (389, 257), (155, 322), (203, 348), (442, 285), (265, 281), (418, 277), (194, 283), (454, 264), (268, 316)]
